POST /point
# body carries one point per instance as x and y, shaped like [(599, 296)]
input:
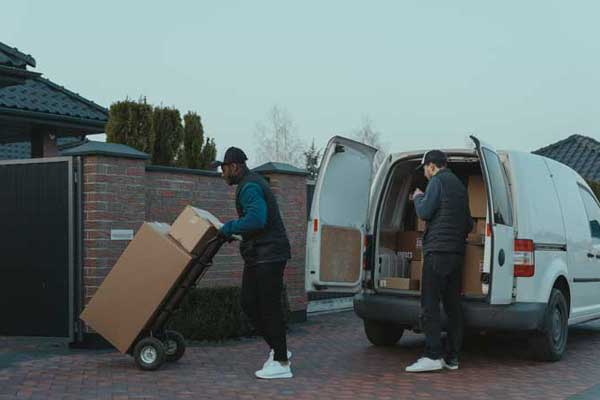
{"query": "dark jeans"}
[(262, 285), (441, 281)]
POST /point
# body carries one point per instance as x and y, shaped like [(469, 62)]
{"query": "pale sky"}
[(518, 74)]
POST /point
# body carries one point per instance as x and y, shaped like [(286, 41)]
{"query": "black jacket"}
[(445, 207), (271, 243)]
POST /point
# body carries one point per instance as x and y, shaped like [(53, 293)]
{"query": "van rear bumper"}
[(405, 311)]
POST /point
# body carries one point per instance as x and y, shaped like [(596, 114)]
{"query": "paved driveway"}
[(332, 360)]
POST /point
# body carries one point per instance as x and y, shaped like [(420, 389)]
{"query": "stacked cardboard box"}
[(193, 228), (477, 196), (473, 267), (410, 243), (151, 265), (473, 264), (399, 283)]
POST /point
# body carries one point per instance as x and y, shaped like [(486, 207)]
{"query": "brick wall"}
[(121, 193)]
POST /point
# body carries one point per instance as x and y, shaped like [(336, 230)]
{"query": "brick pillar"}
[(290, 190), (113, 198)]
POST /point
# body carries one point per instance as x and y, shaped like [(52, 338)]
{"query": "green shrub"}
[(215, 314)]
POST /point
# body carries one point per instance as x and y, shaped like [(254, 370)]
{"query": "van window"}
[(499, 183), (593, 212)]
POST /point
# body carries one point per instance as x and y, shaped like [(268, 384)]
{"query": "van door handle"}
[(598, 256), (590, 255)]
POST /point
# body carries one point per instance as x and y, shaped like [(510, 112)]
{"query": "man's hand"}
[(222, 236), (416, 193)]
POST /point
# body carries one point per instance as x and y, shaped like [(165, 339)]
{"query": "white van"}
[(536, 268)]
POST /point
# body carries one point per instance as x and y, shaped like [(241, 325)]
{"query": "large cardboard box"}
[(477, 196), (479, 226), (193, 228), (473, 267), (410, 243), (399, 283), (416, 270), (476, 239), (388, 239), (136, 286)]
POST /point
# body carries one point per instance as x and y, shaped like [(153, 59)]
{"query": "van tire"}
[(550, 343), (381, 333)]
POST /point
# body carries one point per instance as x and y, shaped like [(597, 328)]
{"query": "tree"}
[(312, 156), (208, 155), (193, 136), (159, 132), (130, 122), (167, 135), (367, 134), (277, 140), (195, 152)]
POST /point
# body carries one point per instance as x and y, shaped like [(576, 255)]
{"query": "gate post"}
[(113, 206)]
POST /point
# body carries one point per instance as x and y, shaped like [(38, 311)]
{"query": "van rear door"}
[(500, 216), (337, 227)]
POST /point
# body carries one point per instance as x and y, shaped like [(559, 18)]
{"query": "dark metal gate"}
[(38, 247)]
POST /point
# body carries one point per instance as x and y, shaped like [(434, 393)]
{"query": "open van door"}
[(336, 231), (499, 259)]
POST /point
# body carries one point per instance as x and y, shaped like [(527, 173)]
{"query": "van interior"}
[(399, 256)]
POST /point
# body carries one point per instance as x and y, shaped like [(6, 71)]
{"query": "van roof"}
[(419, 153)]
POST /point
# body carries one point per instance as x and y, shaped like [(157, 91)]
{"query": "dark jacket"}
[(268, 243), (445, 207)]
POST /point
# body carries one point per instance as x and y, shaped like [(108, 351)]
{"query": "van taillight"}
[(524, 258), (315, 225)]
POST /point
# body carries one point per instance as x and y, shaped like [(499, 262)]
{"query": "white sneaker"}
[(425, 365), (272, 355), (275, 370)]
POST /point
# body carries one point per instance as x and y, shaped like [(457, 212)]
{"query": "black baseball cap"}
[(233, 155), (433, 156)]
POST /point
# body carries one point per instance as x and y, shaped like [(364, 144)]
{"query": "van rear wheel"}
[(550, 343), (382, 333)]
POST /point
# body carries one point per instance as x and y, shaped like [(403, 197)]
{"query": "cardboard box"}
[(479, 226), (410, 243), (421, 225), (136, 286), (399, 283), (416, 270), (193, 228), (476, 239), (388, 239), (473, 267), (477, 196)]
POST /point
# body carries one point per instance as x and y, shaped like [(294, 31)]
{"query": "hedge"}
[(215, 314)]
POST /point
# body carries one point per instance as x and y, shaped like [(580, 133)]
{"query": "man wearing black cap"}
[(445, 208), (265, 249)]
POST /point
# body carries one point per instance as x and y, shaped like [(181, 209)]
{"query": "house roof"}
[(40, 97), (11, 57), (579, 152), (279, 168), (104, 149)]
